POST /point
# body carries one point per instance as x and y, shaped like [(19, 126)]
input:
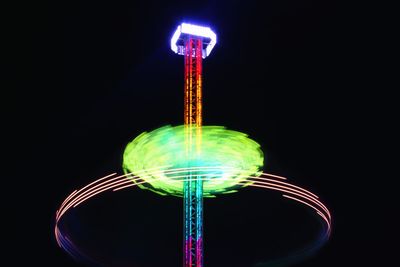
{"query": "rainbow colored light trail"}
[(114, 182)]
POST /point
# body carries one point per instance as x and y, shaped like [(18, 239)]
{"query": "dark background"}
[(85, 77)]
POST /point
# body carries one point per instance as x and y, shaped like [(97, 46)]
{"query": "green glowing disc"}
[(164, 158)]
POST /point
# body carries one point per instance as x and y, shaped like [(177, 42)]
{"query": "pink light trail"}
[(114, 183)]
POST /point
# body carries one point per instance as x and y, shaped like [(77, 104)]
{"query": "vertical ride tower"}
[(194, 43), (190, 161)]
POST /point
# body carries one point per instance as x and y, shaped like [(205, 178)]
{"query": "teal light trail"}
[(233, 156)]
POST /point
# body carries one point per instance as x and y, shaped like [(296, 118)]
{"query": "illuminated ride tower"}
[(194, 43), (192, 161)]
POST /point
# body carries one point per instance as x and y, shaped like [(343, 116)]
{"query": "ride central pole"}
[(193, 186), (194, 42)]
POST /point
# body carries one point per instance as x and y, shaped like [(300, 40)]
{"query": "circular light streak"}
[(233, 157), (114, 182)]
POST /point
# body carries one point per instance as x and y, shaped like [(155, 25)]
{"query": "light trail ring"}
[(114, 182), (233, 154)]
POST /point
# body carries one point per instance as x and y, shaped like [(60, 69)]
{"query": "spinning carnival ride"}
[(191, 161)]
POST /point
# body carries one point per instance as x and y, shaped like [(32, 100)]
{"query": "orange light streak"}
[(77, 197), (275, 176), (298, 187), (305, 195), (80, 190), (62, 209), (288, 190), (317, 210)]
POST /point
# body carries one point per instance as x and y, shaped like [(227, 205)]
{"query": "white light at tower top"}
[(209, 38)]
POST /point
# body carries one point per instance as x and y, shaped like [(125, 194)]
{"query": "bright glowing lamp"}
[(184, 30)]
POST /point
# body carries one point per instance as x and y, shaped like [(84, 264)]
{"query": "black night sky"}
[(86, 77)]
